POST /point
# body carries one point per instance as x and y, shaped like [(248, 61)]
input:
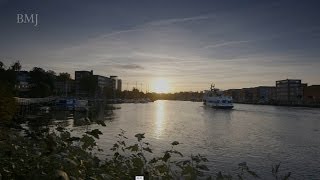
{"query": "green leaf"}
[(73, 139), (166, 156), (70, 162), (95, 133), (65, 135), (196, 159), (139, 136), (134, 148), (203, 167), (153, 160), (161, 168), (60, 129), (253, 174), (174, 143), (137, 162), (87, 142), (177, 152), (187, 170), (101, 123), (147, 149)]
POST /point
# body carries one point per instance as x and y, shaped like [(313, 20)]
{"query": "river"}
[(257, 134)]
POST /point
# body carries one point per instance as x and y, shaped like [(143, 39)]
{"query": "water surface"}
[(257, 134)]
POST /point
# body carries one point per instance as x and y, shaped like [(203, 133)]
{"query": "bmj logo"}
[(27, 19)]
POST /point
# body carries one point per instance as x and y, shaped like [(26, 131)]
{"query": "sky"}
[(184, 45)]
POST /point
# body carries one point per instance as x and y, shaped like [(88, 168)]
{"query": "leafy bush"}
[(8, 105), (50, 154)]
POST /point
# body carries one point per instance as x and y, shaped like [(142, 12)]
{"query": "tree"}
[(7, 77), (8, 104), (64, 76), (52, 73), (1, 65), (16, 66), (43, 82)]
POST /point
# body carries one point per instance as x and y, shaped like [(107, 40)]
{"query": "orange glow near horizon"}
[(160, 85)]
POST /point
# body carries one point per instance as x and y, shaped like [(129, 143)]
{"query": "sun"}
[(161, 85)]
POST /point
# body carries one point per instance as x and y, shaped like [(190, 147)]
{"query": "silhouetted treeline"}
[(35, 83), (7, 82), (184, 96)]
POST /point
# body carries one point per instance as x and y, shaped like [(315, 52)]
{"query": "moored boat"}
[(72, 104)]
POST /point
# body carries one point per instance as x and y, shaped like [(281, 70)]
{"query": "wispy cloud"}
[(151, 24), (129, 66), (116, 33), (178, 20), (228, 43)]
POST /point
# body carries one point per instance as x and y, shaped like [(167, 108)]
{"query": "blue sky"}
[(189, 44)]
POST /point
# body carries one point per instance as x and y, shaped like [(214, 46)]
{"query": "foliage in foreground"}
[(8, 105), (57, 154)]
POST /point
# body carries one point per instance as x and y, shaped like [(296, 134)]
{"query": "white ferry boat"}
[(216, 99)]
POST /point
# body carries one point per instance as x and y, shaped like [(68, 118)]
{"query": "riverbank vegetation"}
[(55, 154)]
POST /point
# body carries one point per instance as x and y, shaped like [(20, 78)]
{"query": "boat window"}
[(223, 101)]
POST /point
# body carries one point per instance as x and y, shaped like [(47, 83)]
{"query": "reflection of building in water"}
[(99, 112), (64, 88)]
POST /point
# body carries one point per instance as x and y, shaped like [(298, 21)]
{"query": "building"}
[(261, 94), (23, 84), (79, 75), (119, 85), (101, 82), (311, 94), (113, 82), (289, 91), (246, 95), (264, 94), (234, 93)]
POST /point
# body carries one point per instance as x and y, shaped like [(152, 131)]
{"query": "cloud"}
[(129, 66), (115, 33), (228, 43), (178, 20), (150, 24)]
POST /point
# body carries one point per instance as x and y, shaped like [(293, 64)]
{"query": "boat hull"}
[(219, 106), (222, 107)]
